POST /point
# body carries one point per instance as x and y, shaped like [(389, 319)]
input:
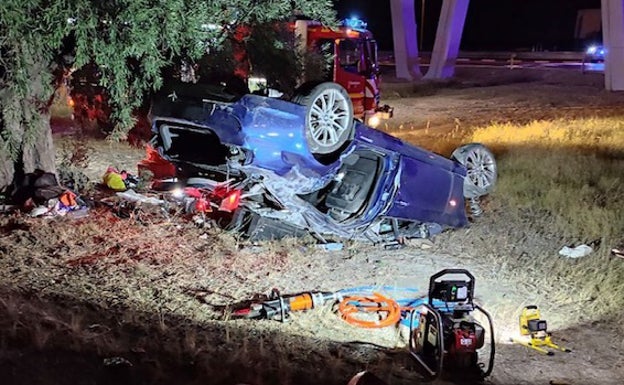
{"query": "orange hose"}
[(366, 304)]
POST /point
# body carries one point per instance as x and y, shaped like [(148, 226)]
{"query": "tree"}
[(130, 41)]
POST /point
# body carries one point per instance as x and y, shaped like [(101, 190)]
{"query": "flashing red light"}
[(231, 201)]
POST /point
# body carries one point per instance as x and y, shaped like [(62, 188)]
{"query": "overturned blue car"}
[(305, 166)]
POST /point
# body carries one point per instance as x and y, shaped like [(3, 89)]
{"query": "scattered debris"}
[(119, 180), (40, 195), (331, 246), (114, 180), (156, 165), (79, 213), (4, 208), (421, 243), (133, 196), (618, 252), (36, 188), (365, 378), (39, 211), (576, 252)]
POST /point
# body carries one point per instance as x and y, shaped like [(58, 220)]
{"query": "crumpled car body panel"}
[(272, 129), (376, 184)]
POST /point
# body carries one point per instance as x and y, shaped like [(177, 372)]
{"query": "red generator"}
[(445, 336)]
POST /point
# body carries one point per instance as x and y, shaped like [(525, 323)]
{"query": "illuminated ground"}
[(144, 290)]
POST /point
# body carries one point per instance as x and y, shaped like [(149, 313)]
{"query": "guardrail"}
[(504, 55), (533, 56)]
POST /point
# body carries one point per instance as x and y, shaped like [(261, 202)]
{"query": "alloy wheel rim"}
[(328, 118), (481, 169)]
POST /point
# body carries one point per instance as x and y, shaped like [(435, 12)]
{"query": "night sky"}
[(490, 24)]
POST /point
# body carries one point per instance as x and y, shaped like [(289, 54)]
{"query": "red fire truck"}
[(353, 52)]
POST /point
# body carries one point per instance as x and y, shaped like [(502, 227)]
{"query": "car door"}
[(429, 189)]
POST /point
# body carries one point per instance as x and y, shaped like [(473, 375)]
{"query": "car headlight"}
[(591, 50), (374, 121)]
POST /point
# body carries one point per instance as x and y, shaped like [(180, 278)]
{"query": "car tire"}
[(329, 117), (481, 169)]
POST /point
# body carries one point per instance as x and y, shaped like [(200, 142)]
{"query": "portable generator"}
[(444, 334)]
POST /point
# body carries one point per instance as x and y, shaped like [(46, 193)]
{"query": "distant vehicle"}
[(289, 168), (595, 53)]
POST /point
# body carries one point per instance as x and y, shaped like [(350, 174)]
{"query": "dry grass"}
[(110, 259), (560, 183), (589, 134), (566, 172), (154, 284)]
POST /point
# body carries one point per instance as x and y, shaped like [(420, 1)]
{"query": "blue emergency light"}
[(354, 23)]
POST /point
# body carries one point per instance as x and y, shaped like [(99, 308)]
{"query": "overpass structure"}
[(448, 37)]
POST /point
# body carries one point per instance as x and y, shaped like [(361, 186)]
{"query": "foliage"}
[(282, 67), (271, 51), (130, 41)]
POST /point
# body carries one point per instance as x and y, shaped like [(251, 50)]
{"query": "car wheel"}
[(481, 169), (329, 116)]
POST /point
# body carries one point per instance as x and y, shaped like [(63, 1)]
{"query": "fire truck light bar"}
[(354, 23)]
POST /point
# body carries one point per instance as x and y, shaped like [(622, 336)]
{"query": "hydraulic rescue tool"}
[(444, 334), (363, 306), (278, 307), (534, 332)]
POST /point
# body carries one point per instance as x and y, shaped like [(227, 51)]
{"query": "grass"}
[(563, 180), (569, 172), (150, 280)]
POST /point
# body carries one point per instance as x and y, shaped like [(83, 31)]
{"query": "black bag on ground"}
[(38, 185)]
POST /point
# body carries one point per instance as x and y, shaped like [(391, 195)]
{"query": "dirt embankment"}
[(425, 111)]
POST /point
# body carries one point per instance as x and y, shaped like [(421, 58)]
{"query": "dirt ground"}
[(142, 305)]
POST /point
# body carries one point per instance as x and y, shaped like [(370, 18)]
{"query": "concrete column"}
[(405, 39), (613, 40), (448, 37)]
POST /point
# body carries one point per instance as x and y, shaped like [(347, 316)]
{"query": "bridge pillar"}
[(448, 37), (405, 39), (613, 40)]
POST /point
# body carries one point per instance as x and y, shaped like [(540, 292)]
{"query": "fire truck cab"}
[(352, 50)]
